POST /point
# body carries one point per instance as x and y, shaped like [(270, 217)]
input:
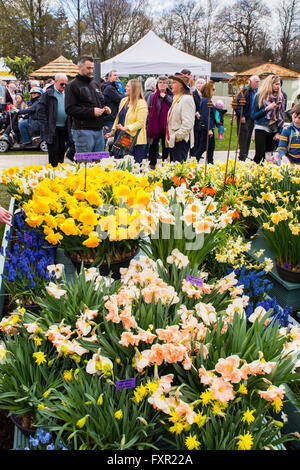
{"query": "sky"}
[(157, 6)]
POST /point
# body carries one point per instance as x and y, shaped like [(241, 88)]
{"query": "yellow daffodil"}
[(248, 416), (191, 442), (119, 414), (39, 357), (245, 441)]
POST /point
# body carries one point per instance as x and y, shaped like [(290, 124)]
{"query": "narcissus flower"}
[(191, 442), (39, 357), (248, 416), (119, 414), (245, 441)]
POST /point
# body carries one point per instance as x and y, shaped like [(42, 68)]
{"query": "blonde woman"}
[(268, 114), (132, 118)]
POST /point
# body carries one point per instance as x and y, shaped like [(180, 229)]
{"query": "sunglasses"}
[(63, 84)]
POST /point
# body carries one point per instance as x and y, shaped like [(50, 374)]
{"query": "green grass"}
[(4, 202), (222, 145)]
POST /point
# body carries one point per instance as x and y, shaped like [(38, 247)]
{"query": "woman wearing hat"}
[(30, 123), (181, 119)]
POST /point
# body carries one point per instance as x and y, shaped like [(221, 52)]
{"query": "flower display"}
[(188, 349), (25, 269), (101, 222)]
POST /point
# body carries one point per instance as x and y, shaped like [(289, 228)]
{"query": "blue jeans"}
[(25, 131), (23, 127), (87, 141)]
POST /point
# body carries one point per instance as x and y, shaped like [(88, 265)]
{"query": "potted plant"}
[(179, 220), (96, 224), (88, 402), (25, 269), (26, 372)]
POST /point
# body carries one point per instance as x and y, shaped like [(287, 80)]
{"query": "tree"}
[(288, 17), (77, 9), (209, 32), (21, 67), (188, 20), (241, 26), (114, 25), (32, 28), (166, 26)]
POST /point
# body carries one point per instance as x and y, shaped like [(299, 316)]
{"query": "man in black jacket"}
[(85, 104), (247, 124), (53, 119), (112, 98)]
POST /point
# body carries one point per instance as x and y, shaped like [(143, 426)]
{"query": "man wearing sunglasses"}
[(53, 119)]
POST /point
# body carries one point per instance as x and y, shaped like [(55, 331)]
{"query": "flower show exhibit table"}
[(61, 257), (5, 244), (287, 293)]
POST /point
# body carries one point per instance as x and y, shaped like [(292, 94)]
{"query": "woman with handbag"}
[(268, 114), (129, 128), (181, 119)]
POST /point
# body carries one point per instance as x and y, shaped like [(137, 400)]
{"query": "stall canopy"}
[(270, 68), (151, 55), (61, 64), (5, 73)]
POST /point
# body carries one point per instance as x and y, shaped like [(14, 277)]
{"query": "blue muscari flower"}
[(34, 442), (61, 445), (17, 248), (44, 436), (50, 447), (8, 236), (11, 275), (249, 309)]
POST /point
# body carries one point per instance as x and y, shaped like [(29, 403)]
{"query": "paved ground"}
[(20, 160)]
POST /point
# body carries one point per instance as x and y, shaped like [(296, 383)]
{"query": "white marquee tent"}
[(151, 55)]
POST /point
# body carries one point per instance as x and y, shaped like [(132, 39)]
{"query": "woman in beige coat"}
[(181, 119)]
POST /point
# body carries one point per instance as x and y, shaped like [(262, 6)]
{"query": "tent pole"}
[(209, 105), (97, 71)]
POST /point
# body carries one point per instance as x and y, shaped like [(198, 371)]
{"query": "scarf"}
[(157, 120), (276, 116)]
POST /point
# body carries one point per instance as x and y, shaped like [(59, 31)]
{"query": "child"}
[(289, 143), (219, 117)]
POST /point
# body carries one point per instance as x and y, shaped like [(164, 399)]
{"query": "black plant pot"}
[(250, 231), (34, 308), (105, 269), (17, 422), (287, 274)]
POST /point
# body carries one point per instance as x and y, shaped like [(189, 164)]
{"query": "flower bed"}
[(185, 349)]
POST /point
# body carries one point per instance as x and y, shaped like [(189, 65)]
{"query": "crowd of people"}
[(170, 117)]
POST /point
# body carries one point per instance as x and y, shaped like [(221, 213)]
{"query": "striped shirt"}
[(289, 143)]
